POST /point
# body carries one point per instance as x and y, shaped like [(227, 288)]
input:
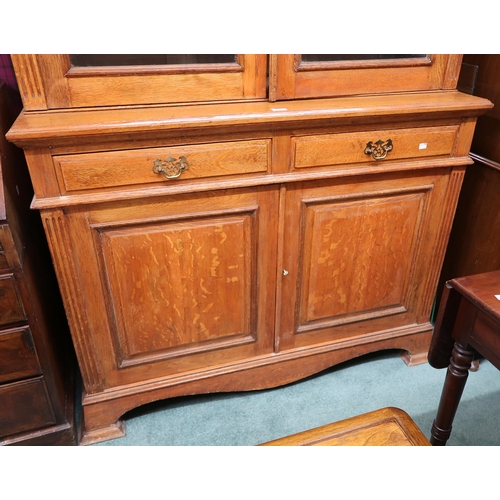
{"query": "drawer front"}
[(11, 307), (9, 257), (3, 257), (349, 148), (136, 167), (25, 406), (18, 358)]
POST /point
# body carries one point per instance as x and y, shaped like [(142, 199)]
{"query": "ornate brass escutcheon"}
[(171, 168), (378, 149)]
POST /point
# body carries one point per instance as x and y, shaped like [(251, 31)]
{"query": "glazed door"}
[(360, 256), (297, 76), (89, 80), (175, 284)]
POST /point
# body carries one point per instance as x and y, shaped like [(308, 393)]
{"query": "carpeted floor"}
[(352, 388)]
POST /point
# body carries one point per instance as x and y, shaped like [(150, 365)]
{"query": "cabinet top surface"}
[(33, 129)]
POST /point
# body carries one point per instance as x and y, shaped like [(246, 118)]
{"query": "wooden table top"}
[(384, 427), (483, 290)]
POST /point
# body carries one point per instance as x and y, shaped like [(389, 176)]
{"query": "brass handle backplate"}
[(378, 149), (171, 168)]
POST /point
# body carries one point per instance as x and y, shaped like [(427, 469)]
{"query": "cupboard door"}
[(295, 76), (175, 284), (53, 81), (360, 256)]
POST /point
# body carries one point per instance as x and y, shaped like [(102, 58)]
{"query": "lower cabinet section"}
[(247, 288), (241, 246)]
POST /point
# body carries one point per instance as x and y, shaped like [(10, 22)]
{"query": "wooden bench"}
[(384, 427)]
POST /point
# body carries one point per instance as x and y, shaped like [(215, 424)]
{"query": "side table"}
[(468, 321)]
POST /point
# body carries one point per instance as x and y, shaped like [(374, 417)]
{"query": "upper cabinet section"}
[(295, 76), (82, 81), (79, 81)]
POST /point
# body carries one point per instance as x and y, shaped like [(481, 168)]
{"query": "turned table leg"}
[(454, 384)]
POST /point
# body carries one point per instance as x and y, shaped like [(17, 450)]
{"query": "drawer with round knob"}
[(373, 146)]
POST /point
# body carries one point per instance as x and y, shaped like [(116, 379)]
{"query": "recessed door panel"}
[(187, 283), (177, 283), (358, 256)]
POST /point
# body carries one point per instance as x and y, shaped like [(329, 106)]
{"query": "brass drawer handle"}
[(378, 149), (171, 168)]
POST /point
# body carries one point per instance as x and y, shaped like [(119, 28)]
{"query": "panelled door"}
[(360, 256), (175, 284)]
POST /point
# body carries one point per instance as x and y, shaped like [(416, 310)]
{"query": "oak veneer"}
[(53, 83), (384, 427), (293, 78), (287, 249)]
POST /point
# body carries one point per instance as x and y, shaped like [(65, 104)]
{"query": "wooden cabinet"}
[(36, 368), (246, 244)]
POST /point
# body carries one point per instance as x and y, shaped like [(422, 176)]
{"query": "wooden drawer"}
[(3, 258), (25, 406), (135, 167), (9, 258), (18, 358), (11, 307), (349, 148)]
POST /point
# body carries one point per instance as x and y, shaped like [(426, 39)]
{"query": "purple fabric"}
[(8, 76)]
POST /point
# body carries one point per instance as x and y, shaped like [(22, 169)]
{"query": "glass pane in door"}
[(356, 57), (86, 60)]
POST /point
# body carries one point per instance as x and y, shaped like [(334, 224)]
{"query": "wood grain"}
[(327, 79), (135, 167), (358, 252), (339, 149), (63, 89), (385, 427), (59, 128), (18, 358)]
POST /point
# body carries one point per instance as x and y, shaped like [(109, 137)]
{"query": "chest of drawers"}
[(36, 367), (244, 245)]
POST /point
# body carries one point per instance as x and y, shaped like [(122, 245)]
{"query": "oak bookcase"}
[(238, 224)]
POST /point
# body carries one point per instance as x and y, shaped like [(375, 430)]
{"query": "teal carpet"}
[(349, 389), (197, 447)]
